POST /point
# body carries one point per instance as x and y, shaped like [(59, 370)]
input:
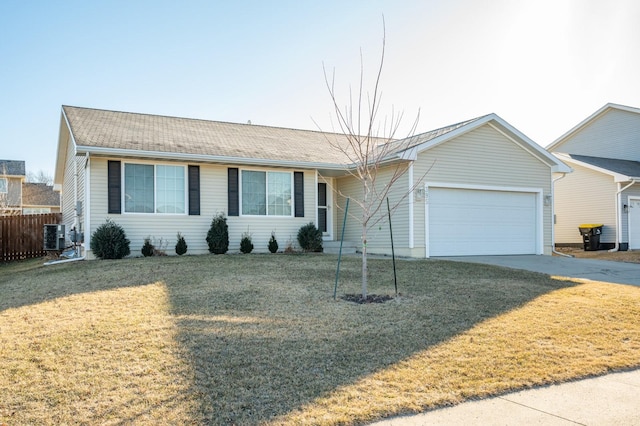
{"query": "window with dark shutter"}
[(298, 193), (194, 190), (114, 190), (233, 192)]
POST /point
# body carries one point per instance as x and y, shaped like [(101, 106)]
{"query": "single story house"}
[(38, 198), (604, 188), (476, 187)]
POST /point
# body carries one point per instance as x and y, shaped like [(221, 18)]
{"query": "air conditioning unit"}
[(54, 237)]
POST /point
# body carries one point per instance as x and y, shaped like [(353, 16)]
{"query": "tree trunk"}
[(364, 263)]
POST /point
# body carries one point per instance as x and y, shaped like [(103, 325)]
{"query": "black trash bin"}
[(591, 235)]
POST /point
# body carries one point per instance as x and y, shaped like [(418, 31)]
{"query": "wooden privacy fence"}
[(22, 237)]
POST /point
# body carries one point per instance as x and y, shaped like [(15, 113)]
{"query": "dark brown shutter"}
[(233, 192), (194, 190), (298, 193), (114, 190)]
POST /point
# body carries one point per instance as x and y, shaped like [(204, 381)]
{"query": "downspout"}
[(553, 218), (619, 216), (75, 194), (75, 219)]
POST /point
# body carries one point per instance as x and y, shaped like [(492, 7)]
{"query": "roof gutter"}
[(210, 158), (618, 199)]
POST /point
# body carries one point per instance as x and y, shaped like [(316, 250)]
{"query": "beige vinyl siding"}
[(612, 135), (484, 157), (633, 191), (71, 186), (584, 196), (213, 199), (378, 236)]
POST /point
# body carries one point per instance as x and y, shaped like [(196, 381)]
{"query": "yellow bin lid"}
[(590, 225)]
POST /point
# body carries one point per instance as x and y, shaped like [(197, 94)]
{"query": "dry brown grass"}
[(258, 339)]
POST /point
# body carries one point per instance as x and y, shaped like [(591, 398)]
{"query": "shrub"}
[(289, 249), (181, 245), (246, 246), (310, 237), (273, 244), (147, 248), (160, 247), (110, 241), (218, 235)]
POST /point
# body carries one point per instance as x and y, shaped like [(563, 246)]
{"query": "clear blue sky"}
[(541, 65)]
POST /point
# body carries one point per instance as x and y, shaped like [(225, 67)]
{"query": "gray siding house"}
[(476, 187), (604, 188)]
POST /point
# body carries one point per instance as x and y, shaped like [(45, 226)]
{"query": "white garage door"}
[(464, 222), (634, 224)]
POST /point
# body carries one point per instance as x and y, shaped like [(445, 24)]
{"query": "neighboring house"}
[(485, 189), (38, 198), (604, 188), (12, 175)]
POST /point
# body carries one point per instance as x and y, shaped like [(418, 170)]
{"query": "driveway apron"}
[(597, 270)]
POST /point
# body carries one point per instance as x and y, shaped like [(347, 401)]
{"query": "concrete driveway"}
[(598, 270)]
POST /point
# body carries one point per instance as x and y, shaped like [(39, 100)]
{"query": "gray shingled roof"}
[(93, 128), (624, 167), (430, 135), (39, 194), (12, 168)]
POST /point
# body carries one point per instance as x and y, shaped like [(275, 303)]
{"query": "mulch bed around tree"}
[(371, 298)]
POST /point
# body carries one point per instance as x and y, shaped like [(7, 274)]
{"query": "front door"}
[(634, 223), (324, 216)]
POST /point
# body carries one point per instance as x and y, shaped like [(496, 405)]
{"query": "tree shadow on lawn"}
[(30, 282), (267, 339)]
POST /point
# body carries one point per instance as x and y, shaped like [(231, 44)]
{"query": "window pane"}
[(279, 190), (3, 184), (138, 188), (170, 189), (253, 193)]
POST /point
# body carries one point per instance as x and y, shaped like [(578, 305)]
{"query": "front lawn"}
[(258, 339)]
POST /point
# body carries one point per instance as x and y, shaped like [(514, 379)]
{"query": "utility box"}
[(54, 237), (75, 236), (591, 235)]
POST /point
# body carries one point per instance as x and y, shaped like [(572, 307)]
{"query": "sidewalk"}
[(613, 399)]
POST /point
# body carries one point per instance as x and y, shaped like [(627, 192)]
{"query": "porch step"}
[(333, 247)]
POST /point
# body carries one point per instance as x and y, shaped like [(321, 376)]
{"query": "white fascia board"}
[(617, 177), (220, 159), (453, 134), (530, 146), (62, 148), (410, 154)]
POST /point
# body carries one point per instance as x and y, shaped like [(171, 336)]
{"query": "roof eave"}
[(219, 159), (617, 177), (556, 165), (553, 145)]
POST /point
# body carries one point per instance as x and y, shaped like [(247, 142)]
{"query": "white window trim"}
[(266, 171), (155, 186)]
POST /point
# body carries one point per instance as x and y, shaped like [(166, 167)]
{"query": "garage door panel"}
[(471, 222), (634, 224)]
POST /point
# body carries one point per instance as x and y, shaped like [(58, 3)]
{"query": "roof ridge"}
[(208, 120)]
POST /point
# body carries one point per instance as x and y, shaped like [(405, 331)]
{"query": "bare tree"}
[(40, 177), (370, 144)]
